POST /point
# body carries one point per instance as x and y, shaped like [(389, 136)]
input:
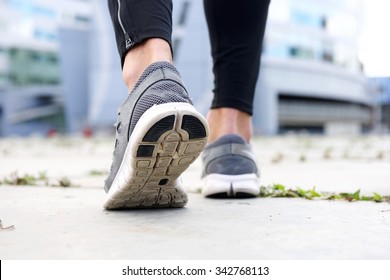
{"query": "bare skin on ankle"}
[(224, 121), (141, 56)]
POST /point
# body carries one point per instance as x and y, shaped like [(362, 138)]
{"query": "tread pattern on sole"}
[(159, 128), (164, 153), (194, 127)]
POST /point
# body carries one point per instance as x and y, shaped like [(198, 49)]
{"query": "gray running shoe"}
[(159, 134), (230, 169)]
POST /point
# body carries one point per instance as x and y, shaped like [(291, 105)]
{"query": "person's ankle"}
[(141, 56), (223, 121)]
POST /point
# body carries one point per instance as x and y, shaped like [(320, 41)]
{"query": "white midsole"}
[(221, 183)]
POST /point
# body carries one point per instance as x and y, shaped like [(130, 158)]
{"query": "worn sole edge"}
[(231, 186), (145, 123)]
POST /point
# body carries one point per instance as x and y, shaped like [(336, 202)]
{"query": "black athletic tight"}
[(236, 30)]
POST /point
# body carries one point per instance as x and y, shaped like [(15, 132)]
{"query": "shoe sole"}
[(231, 186), (166, 140)]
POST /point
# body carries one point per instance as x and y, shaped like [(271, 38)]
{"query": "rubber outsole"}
[(165, 142), (231, 186)]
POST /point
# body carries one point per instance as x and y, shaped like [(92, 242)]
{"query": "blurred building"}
[(310, 78), (31, 76), (380, 90)]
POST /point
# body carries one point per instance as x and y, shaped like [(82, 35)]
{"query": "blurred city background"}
[(60, 71), (325, 72)]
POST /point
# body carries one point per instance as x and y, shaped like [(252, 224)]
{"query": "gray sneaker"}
[(159, 134), (230, 169)]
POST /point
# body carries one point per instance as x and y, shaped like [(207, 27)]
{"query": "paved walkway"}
[(69, 223)]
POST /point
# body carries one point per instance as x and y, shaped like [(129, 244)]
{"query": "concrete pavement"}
[(70, 223)]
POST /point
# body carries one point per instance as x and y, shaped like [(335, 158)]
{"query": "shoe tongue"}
[(228, 139)]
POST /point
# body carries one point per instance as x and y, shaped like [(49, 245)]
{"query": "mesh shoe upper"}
[(229, 155)]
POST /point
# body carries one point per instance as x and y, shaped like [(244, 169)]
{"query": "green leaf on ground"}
[(279, 190), (279, 187), (356, 195), (377, 197), (14, 179), (95, 172)]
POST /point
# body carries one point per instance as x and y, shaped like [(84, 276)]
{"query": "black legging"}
[(236, 31)]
